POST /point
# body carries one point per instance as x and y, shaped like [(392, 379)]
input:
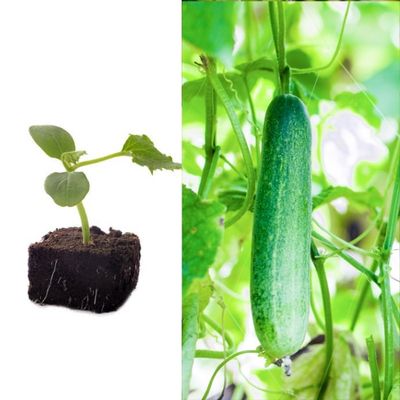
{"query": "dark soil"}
[(98, 277)]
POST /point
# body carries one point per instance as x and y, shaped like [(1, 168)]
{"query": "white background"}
[(101, 70)]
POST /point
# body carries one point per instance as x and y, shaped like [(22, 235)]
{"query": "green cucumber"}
[(280, 270)]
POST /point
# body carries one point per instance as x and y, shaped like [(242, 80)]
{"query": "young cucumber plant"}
[(69, 188)]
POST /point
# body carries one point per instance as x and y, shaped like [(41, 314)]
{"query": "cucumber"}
[(280, 268)]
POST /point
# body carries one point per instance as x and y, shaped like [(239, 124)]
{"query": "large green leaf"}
[(67, 189), (144, 153), (191, 153), (53, 140), (361, 103), (190, 327), (205, 22), (202, 233), (371, 198), (307, 370)]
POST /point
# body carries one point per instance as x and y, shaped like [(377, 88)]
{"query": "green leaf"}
[(67, 189), (144, 153), (72, 157), (202, 233), (308, 367), (361, 103), (190, 328), (234, 196), (233, 83), (262, 65), (53, 140), (394, 393), (191, 153), (204, 22), (371, 198), (204, 288)]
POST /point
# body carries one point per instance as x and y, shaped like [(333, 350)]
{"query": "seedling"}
[(69, 188)]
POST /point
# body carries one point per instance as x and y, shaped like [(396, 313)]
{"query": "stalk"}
[(84, 223), (384, 268), (100, 159), (319, 266), (373, 365), (236, 126)]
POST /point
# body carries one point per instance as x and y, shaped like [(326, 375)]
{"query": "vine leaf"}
[(53, 140), (202, 234), (67, 189), (370, 198), (144, 153)]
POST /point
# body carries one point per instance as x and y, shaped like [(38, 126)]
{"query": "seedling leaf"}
[(67, 189), (53, 140), (144, 153)]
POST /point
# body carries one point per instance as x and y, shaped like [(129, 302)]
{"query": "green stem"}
[(211, 152), (373, 365), (84, 223), (248, 23), (315, 312), (204, 353), (255, 128), (348, 245), (366, 284), (230, 110), (221, 365), (384, 268), (319, 267), (222, 157), (281, 37), (297, 71), (208, 173), (100, 159), (352, 261)]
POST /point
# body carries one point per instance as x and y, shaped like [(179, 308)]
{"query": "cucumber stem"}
[(84, 223)]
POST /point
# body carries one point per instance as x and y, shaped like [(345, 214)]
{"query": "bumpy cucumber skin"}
[(280, 270)]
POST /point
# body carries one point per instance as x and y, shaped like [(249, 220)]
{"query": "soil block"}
[(97, 277)]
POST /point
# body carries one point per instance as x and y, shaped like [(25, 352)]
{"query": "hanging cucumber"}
[(280, 275)]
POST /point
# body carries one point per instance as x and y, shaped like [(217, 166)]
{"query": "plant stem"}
[(319, 267), (236, 126), (221, 365), (352, 261), (373, 365), (366, 284), (84, 223), (254, 127), (211, 151), (348, 245), (241, 176), (297, 71), (225, 336), (315, 312), (384, 268), (100, 159), (281, 37)]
